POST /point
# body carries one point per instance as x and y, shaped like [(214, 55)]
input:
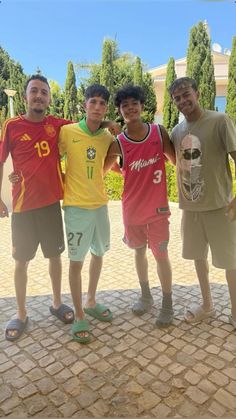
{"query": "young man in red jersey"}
[(143, 148), (32, 141)]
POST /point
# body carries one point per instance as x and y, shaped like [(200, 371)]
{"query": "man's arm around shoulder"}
[(168, 147)]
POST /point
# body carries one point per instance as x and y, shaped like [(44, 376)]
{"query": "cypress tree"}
[(231, 89), (200, 64), (70, 94), (170, 112), (107, 73), (138, 72), (150, 105)]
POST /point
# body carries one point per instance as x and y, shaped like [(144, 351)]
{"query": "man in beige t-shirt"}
[(203, 142)]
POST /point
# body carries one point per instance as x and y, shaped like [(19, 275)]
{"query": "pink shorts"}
[(155, 235)]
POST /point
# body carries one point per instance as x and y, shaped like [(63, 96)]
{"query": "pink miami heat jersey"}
[(145, 193), (34, 150)]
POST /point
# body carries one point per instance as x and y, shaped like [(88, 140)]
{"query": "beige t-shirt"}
[(203, 171)]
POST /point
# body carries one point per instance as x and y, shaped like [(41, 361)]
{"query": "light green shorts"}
[(87, 229), (209, 228)]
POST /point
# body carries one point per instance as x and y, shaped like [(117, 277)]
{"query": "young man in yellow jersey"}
[(85, 146)]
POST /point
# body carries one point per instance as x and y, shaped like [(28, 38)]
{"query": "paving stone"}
[(161, 410), (27, 391), (104, 365), (232, 387), (58, 397), (201, 369), (20, 382), (99, 409), (27, 365), (87, 398), (35, 404), (12, 374), (192, 377), (175, 368), (68, 409), (54, 368), (164, 376), (47, 360), (161, 389), (218, 378), (9, 405), (216, 409), (143, 378), (186, 369), (63, 376), (133, 387), (148, 400), (96, 383), (72, 386), (196, 395), (215, 362), (3, 358), (188, 409), (107, 392), (5, 392), (163, 361), (230, 372), (225, 398), (207, 387), (46, 385), (6, 366)]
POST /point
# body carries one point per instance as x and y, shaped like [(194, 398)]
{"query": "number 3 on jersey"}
[(42, 148), (157, 176)]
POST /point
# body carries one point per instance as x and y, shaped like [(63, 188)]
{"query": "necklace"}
[(191, 125)]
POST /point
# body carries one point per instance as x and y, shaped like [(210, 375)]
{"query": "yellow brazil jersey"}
[(85, 153)]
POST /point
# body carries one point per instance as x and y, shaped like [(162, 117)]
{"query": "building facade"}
[(221, 64)]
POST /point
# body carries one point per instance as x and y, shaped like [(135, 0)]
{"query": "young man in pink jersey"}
[(142, 148), (32, 141)]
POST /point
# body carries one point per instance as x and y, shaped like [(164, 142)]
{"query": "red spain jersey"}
[(33, 147), (145, 193)]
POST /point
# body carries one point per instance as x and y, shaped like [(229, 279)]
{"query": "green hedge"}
[(114, 183)]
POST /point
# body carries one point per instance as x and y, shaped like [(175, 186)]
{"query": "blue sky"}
[(49, 33)]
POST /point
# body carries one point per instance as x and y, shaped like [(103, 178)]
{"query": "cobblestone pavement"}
[(130, 368)]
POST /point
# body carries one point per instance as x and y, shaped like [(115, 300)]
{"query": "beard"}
[(38, 111)]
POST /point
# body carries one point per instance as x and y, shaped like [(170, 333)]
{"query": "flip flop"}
[(97, 312), (18, 325), (165, 317), (61, 311), (142, 306), (81, 326), (198, 313)]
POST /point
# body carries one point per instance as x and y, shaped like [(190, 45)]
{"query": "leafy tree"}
[(231, 89), (200, 64), (57, 99), (11, 76), (138, 72), (170, 112), (70, 105)]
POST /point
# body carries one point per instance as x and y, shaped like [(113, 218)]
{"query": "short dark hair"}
[(97, 90), (36, 77), (182, 81), (129, 91)]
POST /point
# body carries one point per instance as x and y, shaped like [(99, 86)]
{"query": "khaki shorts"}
[(203, 229)]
